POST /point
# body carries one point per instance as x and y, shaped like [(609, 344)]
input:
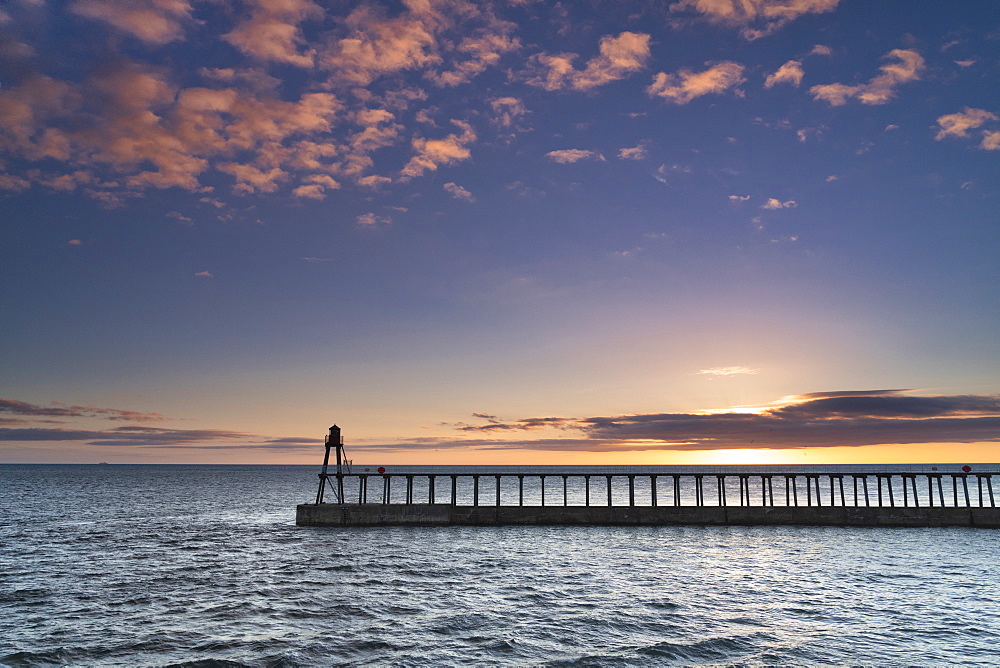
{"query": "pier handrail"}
[(866, 489)]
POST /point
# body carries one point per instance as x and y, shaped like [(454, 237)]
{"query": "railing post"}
[(385, 488), (913, 485), (586, 489), (652, 489), (631, 490), (498, 491), (677, 490), (543, 489), (454, 490), (520, 490), (430, 489), (864, 482), (888, 484), (409, 490), (843, 501), (609, 492), (965, 486), (905, 495), (722, 490), (475, 490), (565, 491)]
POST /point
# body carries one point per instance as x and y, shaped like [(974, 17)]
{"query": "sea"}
[(163, 565)]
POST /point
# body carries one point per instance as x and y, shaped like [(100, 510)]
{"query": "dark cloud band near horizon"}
[(818, 420)]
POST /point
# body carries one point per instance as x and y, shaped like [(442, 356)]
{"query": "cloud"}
[(478, 53), (316, 186), (507, 111), (153, 21), (432, 153), (729, 371), (959, 125), (819, 420), (821, 50), (634, 153), (524, 424), (371, 219), (133, 121), (271, 33), (569, 155), (685, 85), (753, 18), (882, 88), (15, 407), (126, 436), (376, 45), (739, 198), (205, 274), (373, 181), (458, 192), (618, 58), (773, 204), (790, 73)]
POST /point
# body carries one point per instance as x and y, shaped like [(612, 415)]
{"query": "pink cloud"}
[(570, 155), (959, 124), (882, 88), (272, 31), (618, 57), (432, 153), (685, 85), (790, 73), (153, 21), (753, 18)]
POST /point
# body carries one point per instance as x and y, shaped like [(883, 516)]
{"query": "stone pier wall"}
[(372, 514)]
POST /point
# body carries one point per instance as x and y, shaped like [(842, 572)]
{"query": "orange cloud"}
[(376, 45), (958, 125), (153, 21), (432, 153), (272, 31), (685, 85), (618, 57), (791, 73), (753, 18), (882, 88), (570, 155)]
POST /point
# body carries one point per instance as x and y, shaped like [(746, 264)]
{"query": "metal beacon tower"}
[(333, 440)]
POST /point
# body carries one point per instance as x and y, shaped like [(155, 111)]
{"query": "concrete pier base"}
[(371, 514)]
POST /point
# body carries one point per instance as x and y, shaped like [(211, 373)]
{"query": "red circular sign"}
[(381, 469), (966, 468)]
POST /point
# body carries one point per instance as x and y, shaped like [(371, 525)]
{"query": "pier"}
[(610, 496)]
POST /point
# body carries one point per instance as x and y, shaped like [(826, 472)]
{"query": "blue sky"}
[(499, 232)]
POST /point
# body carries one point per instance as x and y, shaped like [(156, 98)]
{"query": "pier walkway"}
[(902, 498)]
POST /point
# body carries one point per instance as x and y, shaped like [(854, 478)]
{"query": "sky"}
[(513, 232)]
